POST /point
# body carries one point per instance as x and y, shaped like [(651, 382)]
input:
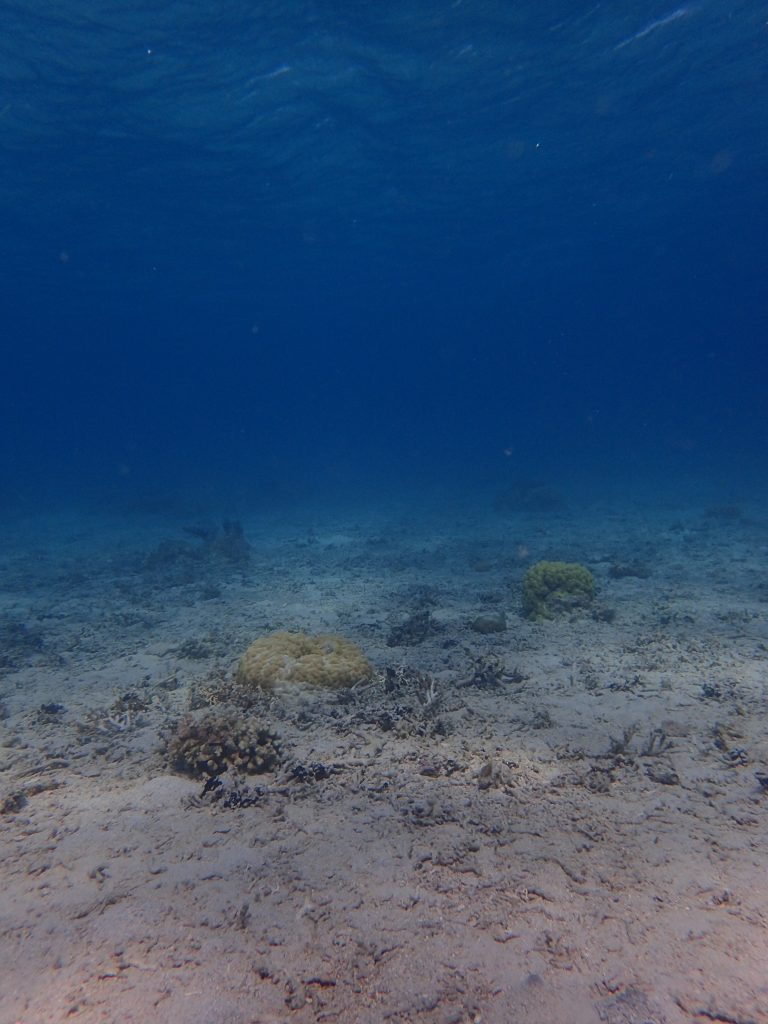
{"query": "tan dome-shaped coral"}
[(324, 660)]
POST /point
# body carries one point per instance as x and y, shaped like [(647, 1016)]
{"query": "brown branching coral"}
[(209, 744)]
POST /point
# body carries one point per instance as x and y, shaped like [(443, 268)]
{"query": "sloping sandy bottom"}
[(567, 827)]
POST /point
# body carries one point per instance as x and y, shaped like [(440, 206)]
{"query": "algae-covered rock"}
[(555, 588), (323, 660), (489, 622)]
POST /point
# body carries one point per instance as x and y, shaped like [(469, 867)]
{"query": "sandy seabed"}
[(560, 822)]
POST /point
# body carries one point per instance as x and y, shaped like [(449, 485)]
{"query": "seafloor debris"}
[(489, 622), (487, 673), (413, 630), (13, 802), (232, 790), (121, 716), (401, 679), (218, 688), (18, 642)]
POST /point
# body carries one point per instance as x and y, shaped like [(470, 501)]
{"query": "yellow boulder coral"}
[(551, 588), (324, 660)]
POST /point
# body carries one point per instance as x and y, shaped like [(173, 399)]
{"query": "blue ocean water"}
[(290, 249)]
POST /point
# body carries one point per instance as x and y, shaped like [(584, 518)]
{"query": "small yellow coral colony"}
[(323, 660), (553, 588)]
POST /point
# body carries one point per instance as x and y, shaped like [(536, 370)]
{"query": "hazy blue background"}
[(290, 249)]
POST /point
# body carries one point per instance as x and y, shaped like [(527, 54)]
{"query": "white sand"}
[(486, 858)]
